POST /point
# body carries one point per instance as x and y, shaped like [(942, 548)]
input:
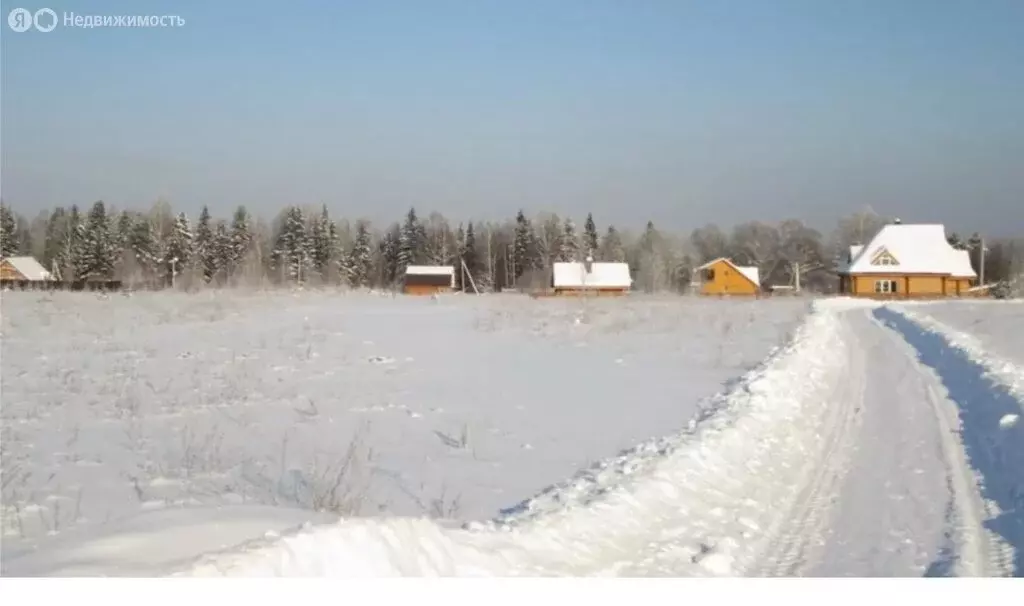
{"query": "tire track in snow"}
[(800, 533)]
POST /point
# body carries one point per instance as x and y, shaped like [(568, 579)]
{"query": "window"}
[(885, 286), (709, 275)]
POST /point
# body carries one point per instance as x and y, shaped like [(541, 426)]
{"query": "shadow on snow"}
[(996, 453)]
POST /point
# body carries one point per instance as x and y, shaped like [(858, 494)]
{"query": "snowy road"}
[(866, 447)]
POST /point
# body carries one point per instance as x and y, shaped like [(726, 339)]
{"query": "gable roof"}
[(29, 267), (750, 273), (917, 249), (601, 275)]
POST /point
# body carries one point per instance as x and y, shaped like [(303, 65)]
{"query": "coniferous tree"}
[(179, 249), (470, 256), (8, 232), (569, 245), (612, 249), (53, 248), (524, 247), (241, 239), (360, 264), (144, 250), (410, 243), (460, 256), (96, 249), (292, 256), (390, 249), (590, 239), (203, 248), (323, 244), (223, 252)]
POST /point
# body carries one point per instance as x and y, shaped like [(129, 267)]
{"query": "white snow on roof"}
[(601, 275), (751, 273), (918, 249), (430, 270), (29, 267)]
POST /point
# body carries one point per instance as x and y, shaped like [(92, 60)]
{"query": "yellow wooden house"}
[(723, 277), (909, 261)]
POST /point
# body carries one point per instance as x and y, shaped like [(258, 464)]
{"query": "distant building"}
[(429, 279), (723, 277), (906, 261), (590, 278), (23, 269)]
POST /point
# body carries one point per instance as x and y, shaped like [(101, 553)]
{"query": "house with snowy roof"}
[(906, 260), (23, 269), (724, 277), (590, 278), (429, 279)]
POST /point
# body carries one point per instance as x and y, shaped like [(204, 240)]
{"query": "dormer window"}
[(884, 258)]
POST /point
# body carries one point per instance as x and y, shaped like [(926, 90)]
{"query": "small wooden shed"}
[(428, 279)]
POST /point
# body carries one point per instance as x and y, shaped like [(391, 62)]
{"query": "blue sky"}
[(684, 112)]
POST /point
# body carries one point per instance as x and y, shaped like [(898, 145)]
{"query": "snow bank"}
[(986, 407), (702, 502), (1000, 369)]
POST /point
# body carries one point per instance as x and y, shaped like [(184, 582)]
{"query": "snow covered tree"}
[(122, 233), (611, 248), (96, 250), (360, 259), (292, 255), (524, 247), (222, 253), (590, 239), (709, 242), (956, 241), (390, 252), (410, 242), (470, 256), (569, 245), (8, 232), (144, 250), (178, 251), (439, 244), (323, 244), (53, 247), (204, 252), (241, 240)]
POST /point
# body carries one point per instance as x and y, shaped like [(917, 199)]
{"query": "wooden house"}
[(428, 279), (907, 261), (590, 278), (723, 277)]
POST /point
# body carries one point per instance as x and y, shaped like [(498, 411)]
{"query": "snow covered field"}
[(996, 325), (875, 441), (356, 404)]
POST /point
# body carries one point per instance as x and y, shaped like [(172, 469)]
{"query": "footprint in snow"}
[(381, 360)]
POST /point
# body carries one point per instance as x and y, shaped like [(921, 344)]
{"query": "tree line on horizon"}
[(159, 248)]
